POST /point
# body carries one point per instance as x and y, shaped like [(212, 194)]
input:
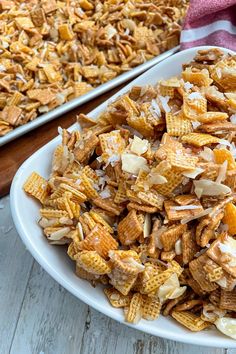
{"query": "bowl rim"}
[(219, 342)]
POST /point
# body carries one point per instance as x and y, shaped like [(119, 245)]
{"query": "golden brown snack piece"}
[(125, 266), (190, 320), (151, 308), (116, 298), (168, 238), (129, 229), (92, 262), (134, 312), (37, 186), (222, 251), (198, 272), (228, 300), (98, 240), (189, 246)]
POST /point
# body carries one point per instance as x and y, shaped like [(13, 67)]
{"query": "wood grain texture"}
[(38, 316), (15, 267), (13, 154), (52, 320)]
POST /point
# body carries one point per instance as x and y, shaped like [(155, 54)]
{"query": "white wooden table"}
[(38, 316)]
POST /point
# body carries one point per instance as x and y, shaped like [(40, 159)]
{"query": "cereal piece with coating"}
[(193, 105), (228, 300), (151, 308), (152, 198), (116, 298), (92, 262), (189, 246), (134, 312), (199, 78), (222, 251), (129, 228), (198, 272), (11, 114), (176, 125), (174, 178), (85, 148), (178, 212), (171, 235), (125, 266), (182, 161), (112, 145), (89, 188), (206, 228), (83, 274), (99, 240), (37, 187), (199, 139), (190, 320)]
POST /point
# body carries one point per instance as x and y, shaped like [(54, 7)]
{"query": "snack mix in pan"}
[(53, 51), (145, 197)]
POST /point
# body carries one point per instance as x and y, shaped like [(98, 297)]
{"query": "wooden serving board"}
[(13, 154)]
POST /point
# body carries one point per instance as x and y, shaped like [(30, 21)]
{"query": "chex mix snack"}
[(52, 51), (144, 197)]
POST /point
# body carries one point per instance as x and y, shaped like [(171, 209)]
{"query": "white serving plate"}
[(76, 102), (54, 260)]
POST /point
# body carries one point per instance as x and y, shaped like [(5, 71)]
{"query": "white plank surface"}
[(15, 267), (37, 316)]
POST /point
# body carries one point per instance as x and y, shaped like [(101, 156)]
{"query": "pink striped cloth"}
[(210, 22)]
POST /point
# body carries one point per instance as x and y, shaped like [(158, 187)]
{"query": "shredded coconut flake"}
[(58, 235), (229, 246), (164, 102), (60, 130), (132, 131), (110, 31), (131, 261), (178, 247), (222, 172), (207, 154), (20, 77), (218, 72), (2, 68), (194, 96), (195, 124), (185, 207), (202, 213), (233, 119), (99, 159), (105, 194), (225, 142), (133, 163), (187, 85), (193, 174), (211, 188), (139, 146), (155, 109), (113, 159)]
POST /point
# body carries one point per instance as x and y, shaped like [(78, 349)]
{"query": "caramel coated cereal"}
[(143, 198)]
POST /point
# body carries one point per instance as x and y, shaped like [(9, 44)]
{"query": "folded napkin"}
[(210, 22)]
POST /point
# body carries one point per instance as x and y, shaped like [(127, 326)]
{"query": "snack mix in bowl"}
[(145, 197)]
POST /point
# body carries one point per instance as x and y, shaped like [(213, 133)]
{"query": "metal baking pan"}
[(44, 118)]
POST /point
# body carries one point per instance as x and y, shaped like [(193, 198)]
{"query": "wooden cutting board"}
[(13, 154)]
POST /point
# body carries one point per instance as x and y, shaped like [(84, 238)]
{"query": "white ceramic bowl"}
[(54, 260)]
